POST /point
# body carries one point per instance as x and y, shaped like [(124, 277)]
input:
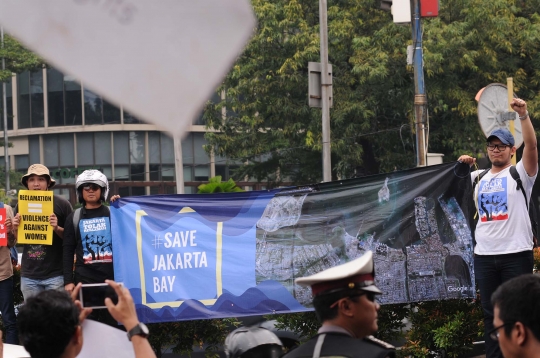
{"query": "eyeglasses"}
[(93, 187), (494, 333), (500, 147)]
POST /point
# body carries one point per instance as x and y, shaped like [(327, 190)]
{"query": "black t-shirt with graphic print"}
[(92, 247), (41, 262)]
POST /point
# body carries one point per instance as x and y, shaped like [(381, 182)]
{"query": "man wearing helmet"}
[(41, 266), (253, 342), (88, 235)]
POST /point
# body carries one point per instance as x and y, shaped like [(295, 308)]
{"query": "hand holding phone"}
[(124, 311), (93, 295)]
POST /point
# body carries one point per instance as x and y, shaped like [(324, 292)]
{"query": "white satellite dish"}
[(493, 112)]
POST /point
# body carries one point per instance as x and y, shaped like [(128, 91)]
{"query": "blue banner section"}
[(193, 256), (201, 256)]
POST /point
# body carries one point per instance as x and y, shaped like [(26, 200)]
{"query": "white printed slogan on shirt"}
[(96, 240), (493, 200)]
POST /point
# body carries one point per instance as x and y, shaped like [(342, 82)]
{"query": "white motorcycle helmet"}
[(92, 176), (253, 341)]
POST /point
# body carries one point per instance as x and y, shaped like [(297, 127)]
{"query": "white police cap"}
[(356, 274)]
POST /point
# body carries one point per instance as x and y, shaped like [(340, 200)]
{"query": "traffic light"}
[(386, 5)]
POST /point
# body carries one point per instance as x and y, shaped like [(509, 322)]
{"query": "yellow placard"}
[(35, 207)]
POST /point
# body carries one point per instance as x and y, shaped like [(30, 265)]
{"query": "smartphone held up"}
[(92, 295)]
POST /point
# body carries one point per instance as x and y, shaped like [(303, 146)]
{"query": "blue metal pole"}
[(420, 99)]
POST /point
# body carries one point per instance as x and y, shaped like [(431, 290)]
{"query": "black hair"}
[(47, 322), (323, 302), (46, 176), (518, 300)]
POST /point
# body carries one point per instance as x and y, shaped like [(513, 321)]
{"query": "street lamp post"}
[(420, 98), (326, 82), (4, 104)]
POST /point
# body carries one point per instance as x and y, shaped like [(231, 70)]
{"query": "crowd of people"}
[(344, 297), (49, 322)]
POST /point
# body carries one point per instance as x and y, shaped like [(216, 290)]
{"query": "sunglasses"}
[(93, 187), (369, 295)]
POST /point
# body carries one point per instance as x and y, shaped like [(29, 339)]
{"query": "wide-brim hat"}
[(356, 274), (38, 169)]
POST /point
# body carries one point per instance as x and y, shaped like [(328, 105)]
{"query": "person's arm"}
[(12, 237), (15, 223), (69, 245), (124, 312), (1, 346), (53, 221), (114, 198), (530, 152)]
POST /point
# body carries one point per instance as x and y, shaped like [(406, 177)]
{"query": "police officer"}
[(344, 300)]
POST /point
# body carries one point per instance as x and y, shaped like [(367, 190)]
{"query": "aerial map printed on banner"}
[(236, 254)]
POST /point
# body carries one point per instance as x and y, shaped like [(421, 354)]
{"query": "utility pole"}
[(326, 82), (420, 98), (4, 104), (178, 164)]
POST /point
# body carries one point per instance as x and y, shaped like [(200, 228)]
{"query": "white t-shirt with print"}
[(503, 225)]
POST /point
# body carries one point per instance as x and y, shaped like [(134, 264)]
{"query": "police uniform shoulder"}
[(379, 343)]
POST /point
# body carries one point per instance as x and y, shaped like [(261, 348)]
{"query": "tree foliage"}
[(269, 124), (215, 185), (17, 58), (14, 179), (443, 328), (181, 337)]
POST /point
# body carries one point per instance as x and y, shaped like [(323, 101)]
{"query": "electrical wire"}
[(280, 150)]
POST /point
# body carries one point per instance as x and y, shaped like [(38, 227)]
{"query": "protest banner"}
[(228, 255), (3, 229), (35, 208)]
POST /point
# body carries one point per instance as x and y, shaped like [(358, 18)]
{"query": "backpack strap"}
[(480, 176), (76, 218), (475, 190), (530, 208), (514, 173)]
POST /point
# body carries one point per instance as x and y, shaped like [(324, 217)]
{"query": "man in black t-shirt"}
[(41, 266)]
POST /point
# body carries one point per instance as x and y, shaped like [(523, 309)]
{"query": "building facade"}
[(54, 120)]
